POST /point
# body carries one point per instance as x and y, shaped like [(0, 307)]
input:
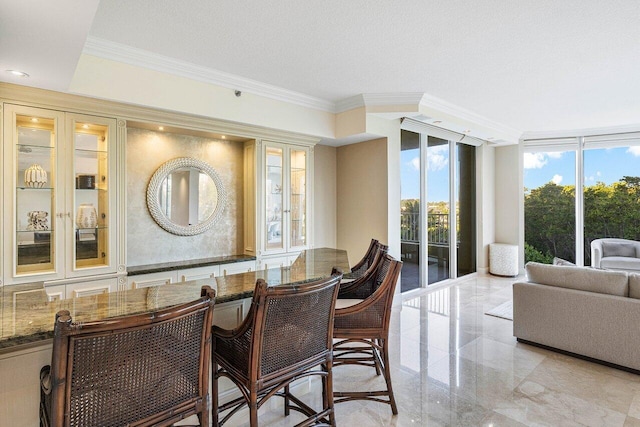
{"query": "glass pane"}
[(298, 197), (466, 209), (438, 209), (611, 195), (274, 188), (91, 195), (549, 206), (35, 193), (410, 210)]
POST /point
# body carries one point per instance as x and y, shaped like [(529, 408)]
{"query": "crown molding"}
[(118, 52), (25, 95), (142, 58)]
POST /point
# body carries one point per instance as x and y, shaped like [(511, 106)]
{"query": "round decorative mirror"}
[(186, 196)]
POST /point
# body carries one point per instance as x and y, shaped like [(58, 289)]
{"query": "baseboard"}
[(580, 356)]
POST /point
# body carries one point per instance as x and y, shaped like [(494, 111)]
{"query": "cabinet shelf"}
[(89, 151), (34, 188)]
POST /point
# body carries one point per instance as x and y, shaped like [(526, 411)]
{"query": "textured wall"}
[(147, 243)]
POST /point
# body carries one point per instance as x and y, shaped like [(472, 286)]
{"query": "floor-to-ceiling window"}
[(577, 190), (438, 230), (550, 203)]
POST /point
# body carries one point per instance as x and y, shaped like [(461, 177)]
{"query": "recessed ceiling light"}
[(85, 126), (160, 127), (466, 131), (437, 122), (34, 119), (18, 73), (223, 137)]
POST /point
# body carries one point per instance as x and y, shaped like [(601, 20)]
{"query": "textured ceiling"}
[(532, 65)]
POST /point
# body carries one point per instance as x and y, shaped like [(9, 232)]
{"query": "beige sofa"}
[(581, 310), (616, 254)]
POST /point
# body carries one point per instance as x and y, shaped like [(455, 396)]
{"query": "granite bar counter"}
[(28, 316), (177, 265)]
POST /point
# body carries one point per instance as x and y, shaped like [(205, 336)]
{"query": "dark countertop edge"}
[(15, 344), (194, 263)]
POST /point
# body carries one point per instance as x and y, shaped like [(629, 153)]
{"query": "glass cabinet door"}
[(35, 192), (298, 193), (91, 195), (274, 202)]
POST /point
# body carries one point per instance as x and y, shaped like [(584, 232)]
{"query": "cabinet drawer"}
[(152, 279), (196, 273), (238, 267)]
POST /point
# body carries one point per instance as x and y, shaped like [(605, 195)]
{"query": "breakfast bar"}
[(28, 319)]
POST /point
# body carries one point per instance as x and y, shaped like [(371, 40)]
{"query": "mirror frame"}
[(153, 203)]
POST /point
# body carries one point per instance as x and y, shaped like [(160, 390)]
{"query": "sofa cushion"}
[(634, 285), (580, 278), (560, 261), (620, 263), (618, 249)]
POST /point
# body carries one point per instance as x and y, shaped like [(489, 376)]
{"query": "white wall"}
[(509, 187), (108, 79), (485, 190)]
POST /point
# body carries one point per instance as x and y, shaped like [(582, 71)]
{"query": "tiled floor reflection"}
[(452, 365)]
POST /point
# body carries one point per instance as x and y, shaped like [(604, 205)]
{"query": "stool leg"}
[(387, 375)]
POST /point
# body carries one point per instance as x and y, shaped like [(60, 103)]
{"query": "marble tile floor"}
[(452, 365)]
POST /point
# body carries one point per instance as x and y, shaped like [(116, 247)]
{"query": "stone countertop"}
[(28, 316), (177, 265)]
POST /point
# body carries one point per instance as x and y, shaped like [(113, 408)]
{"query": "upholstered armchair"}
[(615, 254)]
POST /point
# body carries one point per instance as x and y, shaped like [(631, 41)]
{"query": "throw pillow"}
[(560, 261), (618, 249)]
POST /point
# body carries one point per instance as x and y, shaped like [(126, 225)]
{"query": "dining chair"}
[(361, 266), (361, 330), (149, 369), (287, 335)]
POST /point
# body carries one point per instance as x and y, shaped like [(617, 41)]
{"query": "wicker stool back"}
[(140, 370), (287, 332)]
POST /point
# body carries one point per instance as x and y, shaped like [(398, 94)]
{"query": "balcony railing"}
[(437, 228)]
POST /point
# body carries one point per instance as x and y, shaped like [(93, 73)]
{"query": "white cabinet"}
[(284, 222), (152, 279), (237, 267), (208, 272), (229, 315), (81, 289), (60, 179)]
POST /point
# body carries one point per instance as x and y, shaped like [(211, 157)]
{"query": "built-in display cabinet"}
[(60, 214), (284, 202)]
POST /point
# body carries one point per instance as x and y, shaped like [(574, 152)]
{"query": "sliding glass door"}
[(438, 211)]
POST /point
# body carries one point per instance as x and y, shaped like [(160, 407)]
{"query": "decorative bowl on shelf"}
[(35, 176)]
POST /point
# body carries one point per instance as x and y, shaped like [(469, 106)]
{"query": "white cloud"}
[(557, 179), (534, 160), (415, 163), (436, 162), (635, 150), (554, 154)]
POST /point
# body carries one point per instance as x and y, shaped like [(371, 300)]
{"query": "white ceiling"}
[(532, 65)]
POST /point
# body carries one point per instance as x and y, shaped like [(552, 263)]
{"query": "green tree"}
[(609, 211)]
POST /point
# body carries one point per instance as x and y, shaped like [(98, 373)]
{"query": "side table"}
[(503, 259)]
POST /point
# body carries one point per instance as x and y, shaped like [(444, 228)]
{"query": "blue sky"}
[(604, 165), (437, 173)]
